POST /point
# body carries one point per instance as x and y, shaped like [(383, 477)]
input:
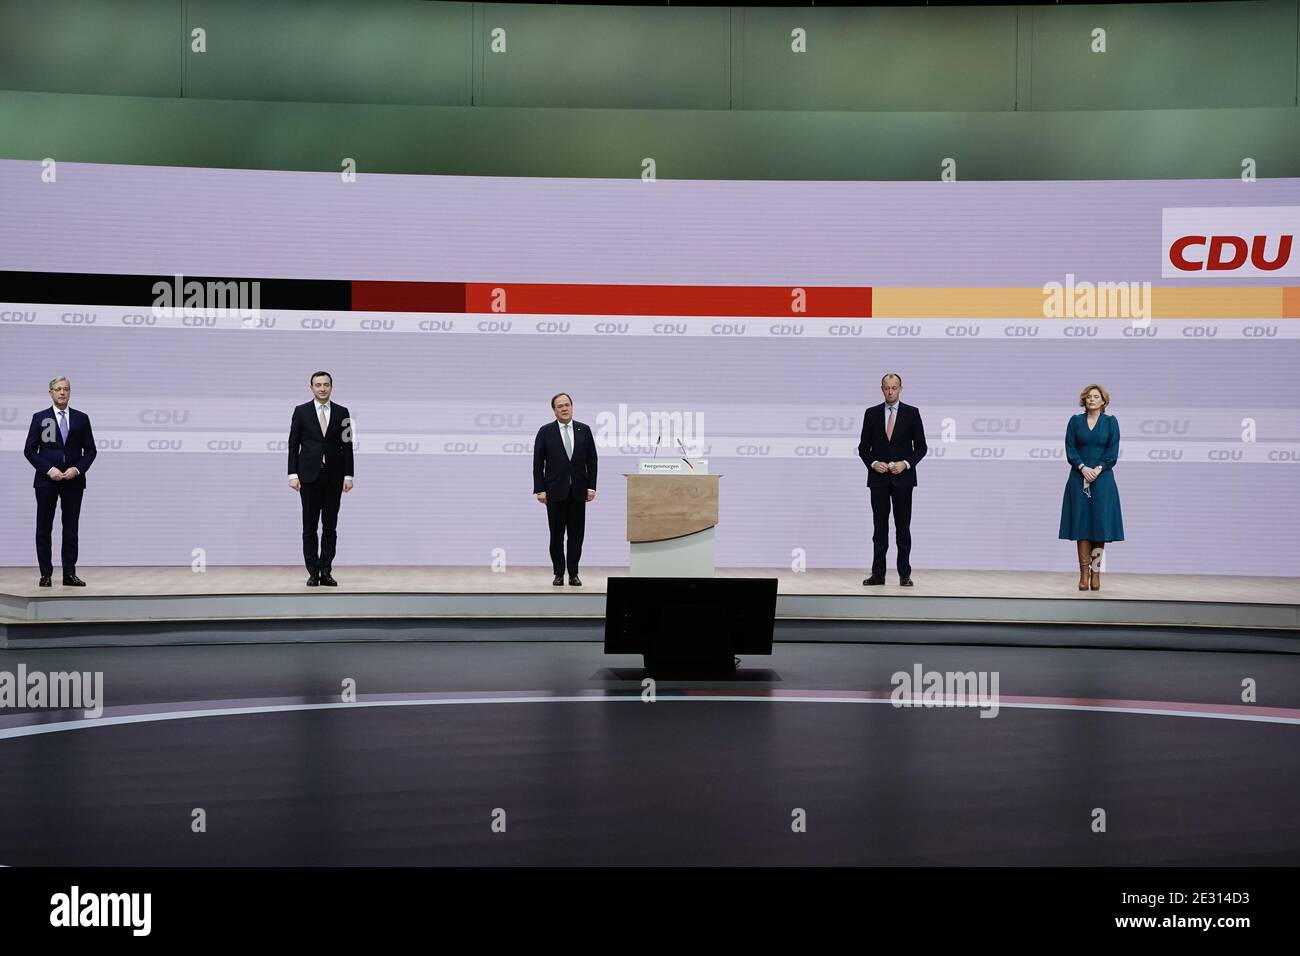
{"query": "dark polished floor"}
[(447, 738)]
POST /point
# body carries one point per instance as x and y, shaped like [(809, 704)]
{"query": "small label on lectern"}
[(673, 466)]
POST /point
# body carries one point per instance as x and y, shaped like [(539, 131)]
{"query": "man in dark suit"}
[(320, 470), (60, 447), (893, 442), (564, 479)]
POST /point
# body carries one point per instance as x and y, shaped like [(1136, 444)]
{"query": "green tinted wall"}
[(1182, 89)]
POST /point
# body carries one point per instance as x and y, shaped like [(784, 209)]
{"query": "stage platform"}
[(224, 604)]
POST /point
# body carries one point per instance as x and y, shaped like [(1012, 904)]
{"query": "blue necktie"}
[(63, 426)]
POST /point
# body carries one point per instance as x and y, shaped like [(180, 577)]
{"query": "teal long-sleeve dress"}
[(1096, 518)]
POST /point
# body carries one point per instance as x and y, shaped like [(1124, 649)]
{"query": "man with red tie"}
[(893, 442), (61, 447)]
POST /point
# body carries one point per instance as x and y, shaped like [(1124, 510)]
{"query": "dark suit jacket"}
[(908, 443), (307, 446), (78, 452), (553, 472)]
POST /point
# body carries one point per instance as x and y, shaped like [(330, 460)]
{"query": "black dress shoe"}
[(559, 581), (575, 581), (45, 581), (327, 580), (314, 580), (874, 579), (905, 582), (72, 581)]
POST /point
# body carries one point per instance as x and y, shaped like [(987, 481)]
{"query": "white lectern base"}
[(690, 556)]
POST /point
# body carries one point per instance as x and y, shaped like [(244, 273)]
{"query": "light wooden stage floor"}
[(136, 594)]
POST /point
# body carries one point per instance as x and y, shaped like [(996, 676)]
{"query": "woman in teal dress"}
[(1090, 514)]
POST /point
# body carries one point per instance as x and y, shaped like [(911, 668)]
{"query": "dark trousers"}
[(566, 515), (900, 496), (47, 497), (320, 505)]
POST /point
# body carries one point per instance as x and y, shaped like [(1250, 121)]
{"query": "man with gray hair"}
[(61, 447), (893, 444)]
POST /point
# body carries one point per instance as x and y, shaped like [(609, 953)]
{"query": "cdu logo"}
[(1164, 426), (1229, 253), (831, 424), (164, 416), (996, 426), (498, 420)]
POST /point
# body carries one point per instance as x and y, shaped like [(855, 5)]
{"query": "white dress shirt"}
[(894, 407), (328, 410)]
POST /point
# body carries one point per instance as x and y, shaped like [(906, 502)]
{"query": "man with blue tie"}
[(564, 479), (893, 442), (60, 447)]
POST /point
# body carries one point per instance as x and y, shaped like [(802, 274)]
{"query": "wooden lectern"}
[(670, 522)]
